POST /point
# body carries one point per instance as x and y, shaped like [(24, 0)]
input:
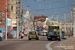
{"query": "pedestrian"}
[(26, 34), (4, 35), (22, 36), (69, 34), (11, 35), (1, 36)]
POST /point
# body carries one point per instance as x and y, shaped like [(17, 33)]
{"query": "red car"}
[(38, 33)]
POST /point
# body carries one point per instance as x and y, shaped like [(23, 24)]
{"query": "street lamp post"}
[(6, 22), (65, 20), (74, 20), (17, 27), (57, 17), (71, 21), (27, 8)]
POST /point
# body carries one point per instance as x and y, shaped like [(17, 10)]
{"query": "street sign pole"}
[(65, 20), (17, 27), (6, 22), (57, 17)]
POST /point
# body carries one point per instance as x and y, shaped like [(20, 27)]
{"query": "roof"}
[(40, 16), (32, 31), (53, 25)]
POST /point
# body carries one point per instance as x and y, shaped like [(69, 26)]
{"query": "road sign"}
[(68, 25), (39, 18), (32, 25)]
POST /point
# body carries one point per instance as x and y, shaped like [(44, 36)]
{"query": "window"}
[(0, 31), (32, 32), (11, 7)]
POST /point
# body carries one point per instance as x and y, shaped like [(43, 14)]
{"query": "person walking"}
[(4, 35), (11, 35), (26, 34), (1, 36), (22, 36)]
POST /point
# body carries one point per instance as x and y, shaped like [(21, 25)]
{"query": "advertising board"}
[(39, 18)]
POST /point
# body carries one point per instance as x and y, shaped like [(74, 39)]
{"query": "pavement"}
[(64, 44), (32, 44), (68, 44), (10, 40)]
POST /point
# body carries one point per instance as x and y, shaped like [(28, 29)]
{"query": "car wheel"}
[(29, 39), (59, 39), (37, 38)]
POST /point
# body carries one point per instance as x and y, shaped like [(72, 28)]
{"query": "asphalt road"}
[(25, 44)]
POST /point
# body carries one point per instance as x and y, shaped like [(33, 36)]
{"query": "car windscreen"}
[(63, 33), (45, 32), (32, 32)]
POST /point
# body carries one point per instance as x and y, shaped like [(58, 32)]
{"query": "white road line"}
[(48, 45), (63, 42)]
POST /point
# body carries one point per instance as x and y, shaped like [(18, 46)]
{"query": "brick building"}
[(3, 7)]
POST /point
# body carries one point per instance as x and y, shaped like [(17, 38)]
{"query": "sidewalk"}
[(69, 44), (11, 40)]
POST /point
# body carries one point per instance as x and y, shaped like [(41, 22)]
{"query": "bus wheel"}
[(49, 39), (59, 39), (29, 39)]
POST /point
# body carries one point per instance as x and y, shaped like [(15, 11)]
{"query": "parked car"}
[(63, 35), (38, 32), (43, 33), (33, 35)]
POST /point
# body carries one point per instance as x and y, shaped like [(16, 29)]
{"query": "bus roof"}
[(56, 26), (53, 25)]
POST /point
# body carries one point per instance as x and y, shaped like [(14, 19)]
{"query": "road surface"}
[(25, 44)]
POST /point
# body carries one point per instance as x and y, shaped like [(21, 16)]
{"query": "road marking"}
[(48, 45), (63, 42)]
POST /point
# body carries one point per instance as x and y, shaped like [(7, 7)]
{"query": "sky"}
[(50, 7)]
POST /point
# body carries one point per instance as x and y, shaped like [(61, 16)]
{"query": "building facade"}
[(3, 7), (13, 12), (3, 12)]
